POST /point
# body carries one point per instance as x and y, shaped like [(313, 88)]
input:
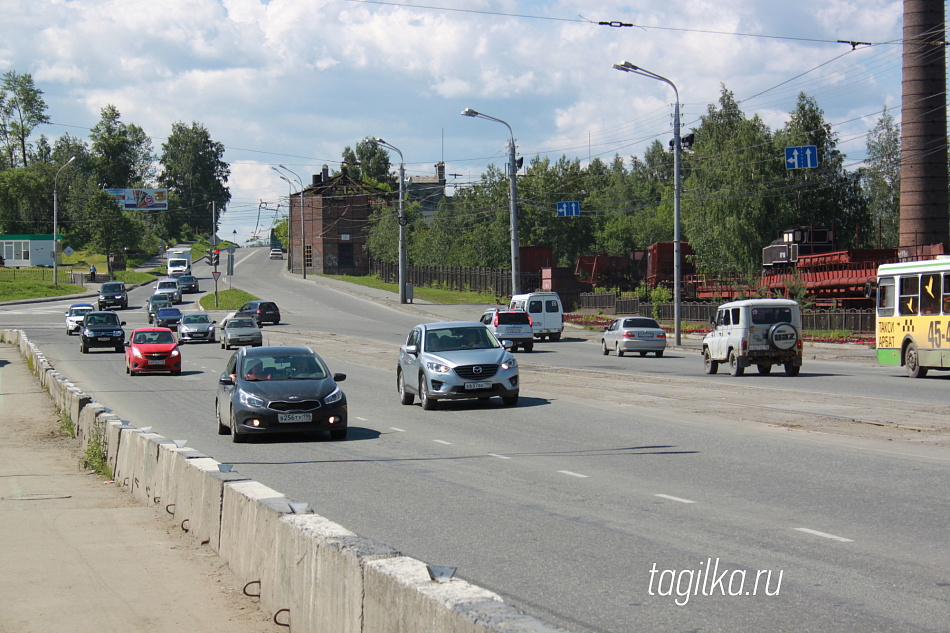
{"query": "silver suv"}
[(760, 332), (510, 325)]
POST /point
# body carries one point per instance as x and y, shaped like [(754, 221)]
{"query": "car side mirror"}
[(712, 320), (412, 349), (606, 327), (339, 377), (127, 343), (507, 344), (226, 379), (121, 322)]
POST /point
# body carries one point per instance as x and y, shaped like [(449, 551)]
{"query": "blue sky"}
[(293, 82)]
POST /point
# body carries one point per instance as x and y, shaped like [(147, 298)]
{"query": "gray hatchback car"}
[(455, 360)]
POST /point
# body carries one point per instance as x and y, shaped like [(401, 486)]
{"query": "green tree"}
[(122, 153), (881, 178), (194, 170), (22, 110), (110, 228), (370, 164)]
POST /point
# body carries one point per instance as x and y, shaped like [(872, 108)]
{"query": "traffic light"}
[(214, 257)]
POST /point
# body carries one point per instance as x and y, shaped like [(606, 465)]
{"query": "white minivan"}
[(545, 310)]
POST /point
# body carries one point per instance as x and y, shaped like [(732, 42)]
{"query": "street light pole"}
[(513, 199), (303, 229), (56, 225), (402, 221), (290, 220), (677, 293)]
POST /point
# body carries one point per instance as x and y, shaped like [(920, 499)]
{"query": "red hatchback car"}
[(152, 349)]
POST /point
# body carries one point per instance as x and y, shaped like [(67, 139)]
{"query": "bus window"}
[(885, 297), (909, 295), (930, 293), (946, 293)]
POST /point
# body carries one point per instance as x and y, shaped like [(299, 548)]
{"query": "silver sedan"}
[(240, 331), (196, 327), (634, 334)]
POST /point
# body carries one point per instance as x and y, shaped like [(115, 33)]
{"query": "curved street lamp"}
[(56, 225), (513, 195), (303, 232), (677, 295), (402, 221)]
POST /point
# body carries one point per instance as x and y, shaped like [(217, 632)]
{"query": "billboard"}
[(141, 199)]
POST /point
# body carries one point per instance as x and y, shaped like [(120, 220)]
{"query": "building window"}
[(308, 256)]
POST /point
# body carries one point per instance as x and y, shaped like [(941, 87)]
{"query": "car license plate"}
[(295, 417), (198, 334), (485, 384), (515, 330), (156, 362), (645, 335), (104, 338), (758, 348)]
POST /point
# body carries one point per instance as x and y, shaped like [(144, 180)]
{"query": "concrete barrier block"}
[(168, 457), (321, 579), (200, 492), (113, 428), (249, 515), (400, 596), (89, 430), (76, 399)]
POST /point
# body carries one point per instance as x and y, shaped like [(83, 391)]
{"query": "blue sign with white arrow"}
[(803, 157), (568, 209)]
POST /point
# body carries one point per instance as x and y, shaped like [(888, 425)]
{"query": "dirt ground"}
[(78, 555)]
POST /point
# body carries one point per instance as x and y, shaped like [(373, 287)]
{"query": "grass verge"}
[(435, 295), (28, 289), (227, 300)]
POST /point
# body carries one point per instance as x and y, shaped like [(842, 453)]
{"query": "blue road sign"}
[(568, 209), (803, 157)]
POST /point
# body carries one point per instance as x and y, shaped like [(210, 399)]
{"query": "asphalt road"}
[(600, 501)]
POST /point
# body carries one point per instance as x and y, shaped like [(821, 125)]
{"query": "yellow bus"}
[(913, 315)]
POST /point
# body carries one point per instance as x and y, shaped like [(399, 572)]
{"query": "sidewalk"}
[(79, 555)]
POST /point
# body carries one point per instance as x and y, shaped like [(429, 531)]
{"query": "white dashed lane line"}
[(567, 472), (498, 456), (442, 442), (681, 500), (397, 429), (359, 418), (825, 535)]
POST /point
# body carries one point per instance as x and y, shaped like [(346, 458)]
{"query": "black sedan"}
[(273, 390), (101, 329), (188, 283), (168, 317)]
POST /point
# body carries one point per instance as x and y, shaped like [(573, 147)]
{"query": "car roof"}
[(270, 350), (81, 305), (761, 303), (447, 324), (151, 329), (167, 310)]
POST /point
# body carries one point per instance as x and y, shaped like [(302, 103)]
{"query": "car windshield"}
[(102, 319), (111, 287), (79, 311), (153, 338), (166, 312), (284, 367), (241, 323), (196, 318), (167, 285), (641, 322), (186, 279), (459, 338)]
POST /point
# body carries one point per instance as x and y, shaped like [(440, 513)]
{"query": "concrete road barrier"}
[(308, 571)]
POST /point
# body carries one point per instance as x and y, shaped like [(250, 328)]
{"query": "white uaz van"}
[(545, 310), (760, 332)]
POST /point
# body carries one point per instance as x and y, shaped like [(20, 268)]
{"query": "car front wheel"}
[(428, 402), (236, 437), (710, 366), (603, 345), (510, 401), (404, 396), (222, 429)]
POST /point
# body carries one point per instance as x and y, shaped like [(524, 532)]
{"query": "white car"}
[(75, 315), (169, 287), (760, 332), (276, 253)]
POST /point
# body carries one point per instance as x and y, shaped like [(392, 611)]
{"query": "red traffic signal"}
[(217, 251)]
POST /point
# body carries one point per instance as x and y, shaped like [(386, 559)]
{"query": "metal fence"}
[(492, 281), (858, 321), (65, 275)]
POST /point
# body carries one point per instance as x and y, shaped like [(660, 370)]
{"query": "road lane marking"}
[(825, 535), (359, 418), (442, 442), (498, 456), (674, 498), (567, 472), (396, 428)]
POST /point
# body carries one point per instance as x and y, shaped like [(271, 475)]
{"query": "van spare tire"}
[(782, 336)]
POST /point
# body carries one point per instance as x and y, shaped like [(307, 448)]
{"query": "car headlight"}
[(508, 363), (175, 352), (87, 332), (136, 352), (118, 333), (335, 396), (249, 400), (438, 368)]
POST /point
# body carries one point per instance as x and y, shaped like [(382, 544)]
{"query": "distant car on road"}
[(196, 327), (154, 303), (634, 334), (74, 316), (276, 253), (101, 329), (169, 287), (510, 325), (152, 349), (272, 390), (168, 317), (240, 331), (112, 294), (188, 283), (261, 311), (455, 360)]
